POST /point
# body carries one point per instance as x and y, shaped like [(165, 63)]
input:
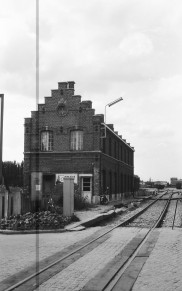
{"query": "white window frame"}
[(46, 140), (76, 140), (88, 184)]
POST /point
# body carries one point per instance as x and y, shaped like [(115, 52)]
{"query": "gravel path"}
[(148, 218)]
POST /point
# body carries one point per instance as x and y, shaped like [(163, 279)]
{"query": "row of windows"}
[(114, 183), (114, 149), (76, 140)]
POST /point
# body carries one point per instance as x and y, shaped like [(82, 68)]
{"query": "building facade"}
[(64, 137), (175, 181)]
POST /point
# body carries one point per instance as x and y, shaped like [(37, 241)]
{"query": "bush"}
[(37, 220), (80, 202), (159, 186)]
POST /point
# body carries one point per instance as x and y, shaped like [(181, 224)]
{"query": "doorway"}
[(87, 188)]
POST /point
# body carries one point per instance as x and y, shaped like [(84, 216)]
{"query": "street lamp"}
[(109, 105)]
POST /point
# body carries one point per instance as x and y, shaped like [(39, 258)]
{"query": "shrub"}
[(80, 202)]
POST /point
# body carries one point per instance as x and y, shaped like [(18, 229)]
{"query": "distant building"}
[(173, 181), (64, 137), (163, 183)]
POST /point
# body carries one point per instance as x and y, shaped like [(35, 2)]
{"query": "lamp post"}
[(109, 105)]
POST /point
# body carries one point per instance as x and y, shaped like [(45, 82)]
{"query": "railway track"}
[(111, 276)]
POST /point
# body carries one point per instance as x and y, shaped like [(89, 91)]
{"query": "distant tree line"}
[(13, 174), (136, 183)]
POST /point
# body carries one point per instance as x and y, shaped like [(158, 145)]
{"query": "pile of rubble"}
[(39, 220)]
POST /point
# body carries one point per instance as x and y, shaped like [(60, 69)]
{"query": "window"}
[(86, 184), (115, 183), (27, 129), (46, 141), (11, 211), (125, 159), (115, 150), (122, 185), (104, 180), (128, 158), (104, 145), (110, 146), (121, 153), (77, 140), (110, 182), (96, 128)]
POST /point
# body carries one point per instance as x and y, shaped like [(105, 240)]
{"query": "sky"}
[(111, 49)]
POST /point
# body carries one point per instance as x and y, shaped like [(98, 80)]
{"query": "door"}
[(3, 206), (87, 188)]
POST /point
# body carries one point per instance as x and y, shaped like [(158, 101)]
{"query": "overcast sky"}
[(128, 48)]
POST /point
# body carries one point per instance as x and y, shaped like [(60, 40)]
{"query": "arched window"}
[(46, 140), (76, 140)]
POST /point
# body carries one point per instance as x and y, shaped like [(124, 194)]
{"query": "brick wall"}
[(109, 160)]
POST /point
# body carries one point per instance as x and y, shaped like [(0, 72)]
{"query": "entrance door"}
[(48, 186), (12, 206), (87, 188), (3, 206)]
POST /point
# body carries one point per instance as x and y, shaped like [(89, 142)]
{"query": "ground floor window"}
[(11, 205), (86, 184), (3, 206)]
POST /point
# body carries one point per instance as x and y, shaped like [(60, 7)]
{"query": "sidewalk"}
[(99, 213)]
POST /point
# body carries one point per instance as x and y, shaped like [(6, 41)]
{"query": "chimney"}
[(71, 84), (62, 85)]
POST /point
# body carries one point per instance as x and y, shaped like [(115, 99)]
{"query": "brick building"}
[(64, 137)]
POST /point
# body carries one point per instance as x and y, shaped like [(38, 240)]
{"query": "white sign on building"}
[(60, 177)]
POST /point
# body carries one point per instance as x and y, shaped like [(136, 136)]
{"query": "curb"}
[(95, 220), (10, 232), (77, 226)]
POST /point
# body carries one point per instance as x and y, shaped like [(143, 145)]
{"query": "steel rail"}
[(16, 285), (175, 213), (113, 282)]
